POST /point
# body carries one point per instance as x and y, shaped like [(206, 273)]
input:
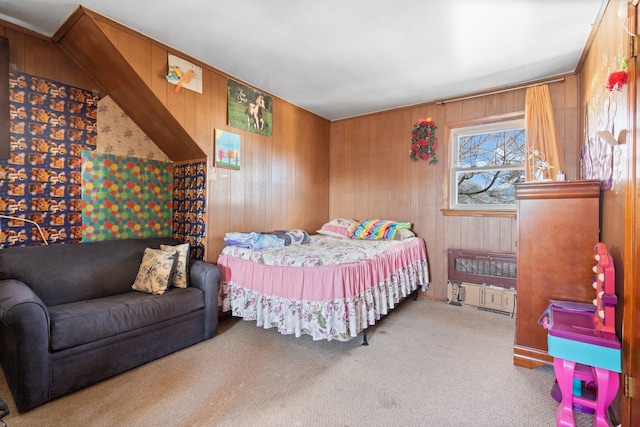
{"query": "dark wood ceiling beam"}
[(82, 39)]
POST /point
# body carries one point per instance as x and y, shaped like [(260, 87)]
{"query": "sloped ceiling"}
[(83, 40), (341, 58)]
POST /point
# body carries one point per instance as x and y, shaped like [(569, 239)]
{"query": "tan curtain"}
[(542, 133)]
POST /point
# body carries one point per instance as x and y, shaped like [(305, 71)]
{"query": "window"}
[(486, 161)]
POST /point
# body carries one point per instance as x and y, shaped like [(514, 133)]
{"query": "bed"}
[(331, 289)]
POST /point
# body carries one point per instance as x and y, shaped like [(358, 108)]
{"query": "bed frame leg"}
[(364, 338), (415, 294)]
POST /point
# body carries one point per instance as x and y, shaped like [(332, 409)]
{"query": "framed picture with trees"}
[(227, 149)]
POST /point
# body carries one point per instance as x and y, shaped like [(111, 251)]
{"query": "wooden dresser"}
[(558, 227)]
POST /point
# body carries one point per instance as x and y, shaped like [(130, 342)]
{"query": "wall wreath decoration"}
[(424, 141)]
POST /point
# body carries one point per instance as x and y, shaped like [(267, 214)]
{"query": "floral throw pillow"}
[(155, 271), (179, 277), (338, 227)]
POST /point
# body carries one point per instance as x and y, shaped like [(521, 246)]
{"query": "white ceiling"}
[(343, 58)]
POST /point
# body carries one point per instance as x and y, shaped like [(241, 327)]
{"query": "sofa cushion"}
[(86, 321), (155, 271), (179, 274)]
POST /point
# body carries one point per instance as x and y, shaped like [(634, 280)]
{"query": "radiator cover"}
[(482, 267)]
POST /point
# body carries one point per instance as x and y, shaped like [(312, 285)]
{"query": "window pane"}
[(488, 187), (501, 148)]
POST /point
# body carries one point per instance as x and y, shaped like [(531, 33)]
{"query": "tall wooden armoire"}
[(558, 226)]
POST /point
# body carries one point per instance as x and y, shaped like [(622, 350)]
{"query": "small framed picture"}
[(227, 149)]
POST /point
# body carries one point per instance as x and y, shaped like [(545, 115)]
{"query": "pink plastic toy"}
[(605, 285), (586, 351)]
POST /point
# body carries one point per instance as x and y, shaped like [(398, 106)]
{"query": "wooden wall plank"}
[(45, 57), (140, 54), (111, 31), (17, 49), (201, 108), (159, 68), (337, 153), (407, 185), (189, 122)]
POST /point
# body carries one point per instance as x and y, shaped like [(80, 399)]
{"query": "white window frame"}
[(468, 128)]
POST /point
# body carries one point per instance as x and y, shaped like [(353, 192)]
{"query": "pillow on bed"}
[(155, 271), (377, 229), (404, 233), (179, 274), (338, 227)]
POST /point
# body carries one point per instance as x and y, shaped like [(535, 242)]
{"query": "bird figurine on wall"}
[(185, 78), (179, 78)]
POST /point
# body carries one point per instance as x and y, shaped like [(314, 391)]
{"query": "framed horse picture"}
[(248, 109)]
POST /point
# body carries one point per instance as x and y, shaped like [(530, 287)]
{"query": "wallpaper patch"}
[(50, 125), (599, 159), (189, 196), (126, 197), (118, 134)]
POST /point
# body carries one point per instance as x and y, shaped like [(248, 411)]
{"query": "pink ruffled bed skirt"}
[(327, 302)]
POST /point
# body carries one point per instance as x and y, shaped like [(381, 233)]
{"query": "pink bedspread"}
[(330, 289)]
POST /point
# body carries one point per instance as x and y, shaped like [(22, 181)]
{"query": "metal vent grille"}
[(482, 267)]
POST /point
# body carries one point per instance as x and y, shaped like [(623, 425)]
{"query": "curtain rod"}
[(462, 98)]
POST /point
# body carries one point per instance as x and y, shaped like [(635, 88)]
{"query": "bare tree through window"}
[(486, 165)]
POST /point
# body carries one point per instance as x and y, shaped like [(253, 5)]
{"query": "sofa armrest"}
[(206, 276), (24, 346)]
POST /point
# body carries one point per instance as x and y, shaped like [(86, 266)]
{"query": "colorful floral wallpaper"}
[(125, 197), (83, 171), (50, 126), (118, 134)]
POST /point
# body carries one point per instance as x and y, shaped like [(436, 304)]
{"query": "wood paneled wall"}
[(284, 179), (373, 176), (36, 55)]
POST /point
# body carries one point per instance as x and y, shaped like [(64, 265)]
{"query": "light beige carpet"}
[(428, 364)]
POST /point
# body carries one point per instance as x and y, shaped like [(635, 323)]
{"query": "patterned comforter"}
[(324, 251)]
